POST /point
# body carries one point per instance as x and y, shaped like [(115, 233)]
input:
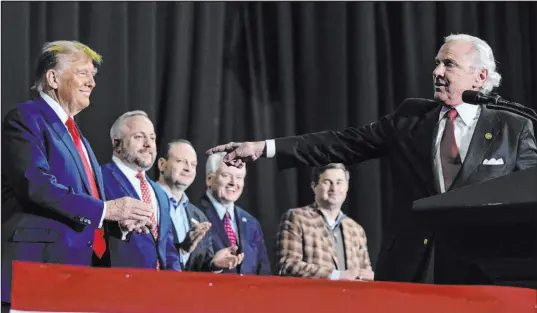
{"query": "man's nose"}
[(91, 82), (438, 71)]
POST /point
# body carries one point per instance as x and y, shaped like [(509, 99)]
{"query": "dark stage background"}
[(233, 71)]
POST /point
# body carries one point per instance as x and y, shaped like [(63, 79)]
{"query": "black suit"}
[(406, 137), (200, 259)]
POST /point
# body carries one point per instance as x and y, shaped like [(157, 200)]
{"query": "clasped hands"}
[(132, 214), (357, 274), (225, 258)]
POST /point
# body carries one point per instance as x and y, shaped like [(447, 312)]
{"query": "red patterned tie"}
[(146, 197), (229, 230), (99, 244), (449, 152)]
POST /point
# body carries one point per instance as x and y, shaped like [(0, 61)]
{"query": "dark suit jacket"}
[(406, 138), (139, 250), (48, 213), (200, 259), (251, 240)]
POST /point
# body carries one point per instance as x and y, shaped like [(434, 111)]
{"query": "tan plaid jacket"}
[(304, 247)]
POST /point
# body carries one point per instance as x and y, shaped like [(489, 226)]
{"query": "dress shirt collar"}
[(55, 106), (467, 112), (184, 199), (129, 172), (220, 209)]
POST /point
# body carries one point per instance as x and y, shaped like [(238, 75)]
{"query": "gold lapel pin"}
[(488, 136)]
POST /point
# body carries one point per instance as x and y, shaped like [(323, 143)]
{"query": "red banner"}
[(60, 288)]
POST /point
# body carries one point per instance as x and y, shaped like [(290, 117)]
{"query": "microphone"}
[(494, 101)]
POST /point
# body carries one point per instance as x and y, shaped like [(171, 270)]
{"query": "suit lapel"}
[(218, 225), (123, 181), (164, 206), (479, 145), (64, 135), (326, 236), (242, 228), (420, 146), (94, 165), (346, 230)]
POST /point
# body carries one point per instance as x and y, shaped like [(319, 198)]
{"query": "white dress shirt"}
[(465, 124), (135, 182), (221, 211), (60, 112)]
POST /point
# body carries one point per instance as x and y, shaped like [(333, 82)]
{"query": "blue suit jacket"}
[(139, 250), (48, 213), (251, 241)]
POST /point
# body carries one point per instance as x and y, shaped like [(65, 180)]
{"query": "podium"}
[(496, 221)]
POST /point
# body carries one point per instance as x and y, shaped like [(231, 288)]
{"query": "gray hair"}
[(485, 59), (214, 162), (50, 56), (117, 127)]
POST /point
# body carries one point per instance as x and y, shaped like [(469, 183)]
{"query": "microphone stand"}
[(512, 107), (531, 115)]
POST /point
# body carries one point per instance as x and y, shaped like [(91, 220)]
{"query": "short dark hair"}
[(318, 171), (165, 151)]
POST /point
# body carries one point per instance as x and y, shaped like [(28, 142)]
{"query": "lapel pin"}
[(244, 219), (488, 136)]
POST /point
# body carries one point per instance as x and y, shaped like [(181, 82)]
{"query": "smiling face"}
[(73, 81), (454, 72), (331, 189), (138, 148), (226, 183), (179, 168)]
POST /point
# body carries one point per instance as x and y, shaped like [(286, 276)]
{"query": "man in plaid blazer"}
[(320, 241)]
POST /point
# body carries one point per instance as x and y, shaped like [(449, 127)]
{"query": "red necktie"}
[(146, 197), (449, 152), (229, 230), (99, 244)]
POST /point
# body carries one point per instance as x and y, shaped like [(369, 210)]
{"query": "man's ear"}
[(160, 164), (208, 179), (481, 77), (52, 79)]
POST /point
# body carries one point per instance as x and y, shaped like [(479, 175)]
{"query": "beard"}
[(139, 162)]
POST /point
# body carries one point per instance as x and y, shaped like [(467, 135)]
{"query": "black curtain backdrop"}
[(233, 71)]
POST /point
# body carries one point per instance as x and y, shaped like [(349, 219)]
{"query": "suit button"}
[(90, 244), (425, 242)]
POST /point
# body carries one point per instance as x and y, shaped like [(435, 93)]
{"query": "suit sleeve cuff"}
[(104, 214), (271, 148), (335, 275)]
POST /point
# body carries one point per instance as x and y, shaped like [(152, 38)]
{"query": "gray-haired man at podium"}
[(434, 146)]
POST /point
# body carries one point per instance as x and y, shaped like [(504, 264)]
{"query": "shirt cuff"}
[(184, 256), (104, 214), (124, 233), (271, 148), (335, 275)]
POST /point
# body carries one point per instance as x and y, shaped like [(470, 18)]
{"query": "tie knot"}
[(227, 215), (140, 175), (452, 114), (70, 123)]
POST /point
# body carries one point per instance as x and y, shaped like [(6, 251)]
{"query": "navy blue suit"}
[(139, 250), (251, 241), (48, 213)]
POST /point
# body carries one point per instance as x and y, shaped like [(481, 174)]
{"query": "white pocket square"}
[(493, 161)]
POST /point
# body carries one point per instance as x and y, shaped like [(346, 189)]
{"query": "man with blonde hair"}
[(53, 203)]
